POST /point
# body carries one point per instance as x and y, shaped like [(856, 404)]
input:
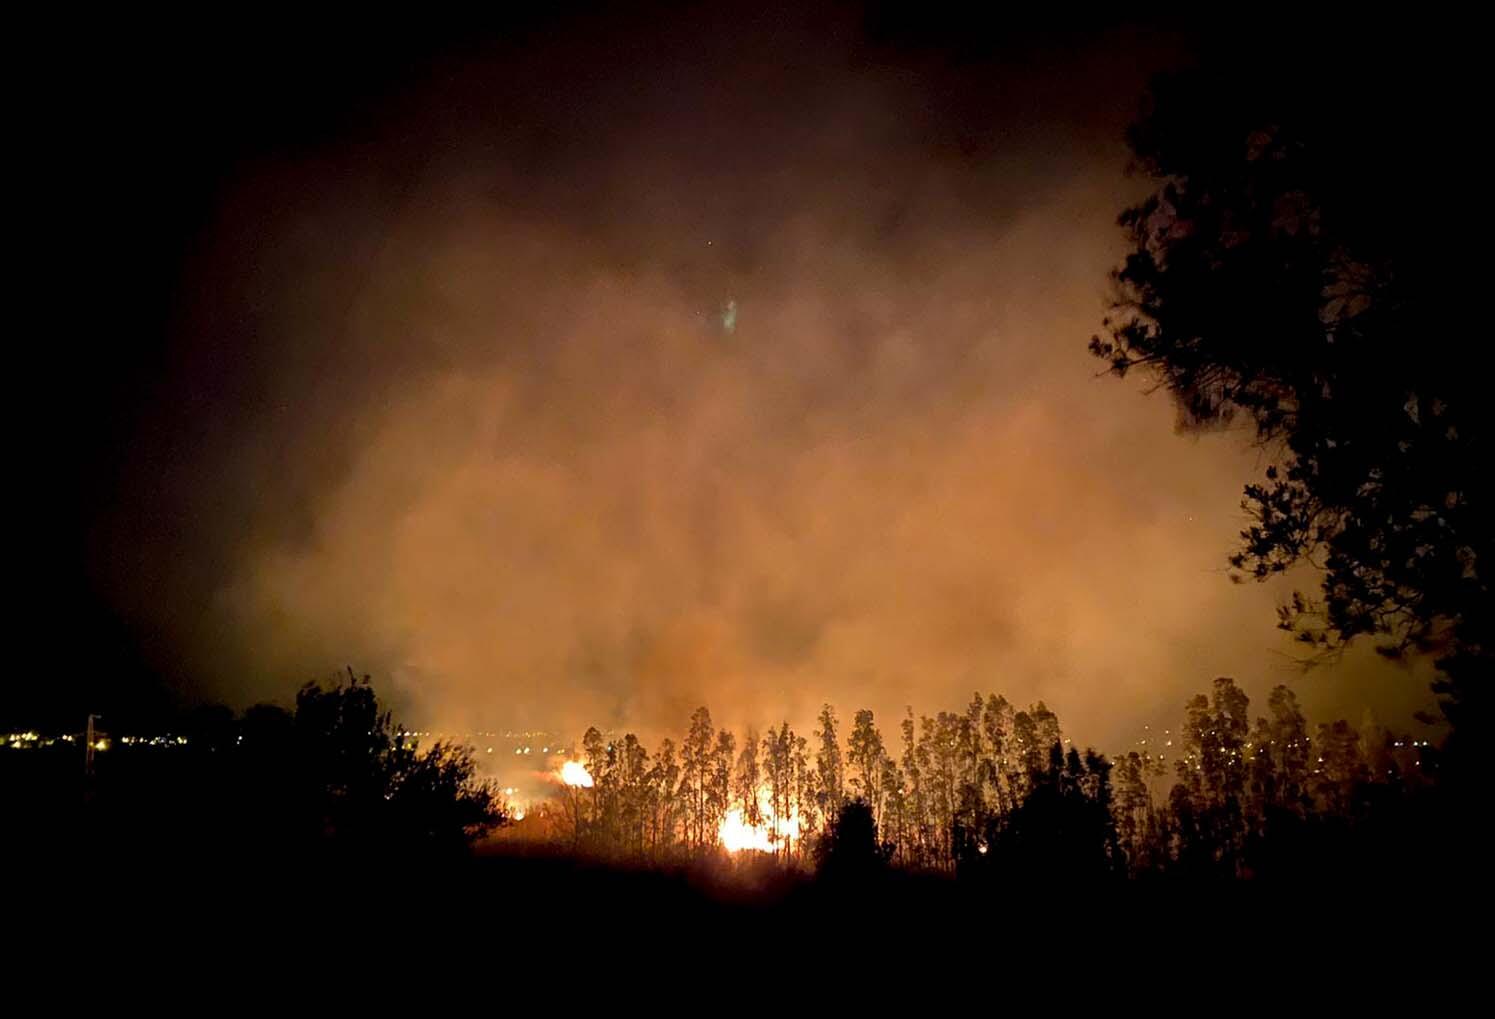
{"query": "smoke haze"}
[(560, 387)]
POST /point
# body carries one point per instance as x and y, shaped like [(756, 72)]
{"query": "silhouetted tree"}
[(719, 786), (779, 775), (895, 822), (828, 765), (369, 787), (997, 771), (695, 778), (806, 792), (746, 779), (938, 758), (1139, 828), (1063, 830), (864, 759), (1339, 768), (633, 782), (1213, 774), (1287, 270), (584, 807), (849, 849), (916, 849), (662, 802)]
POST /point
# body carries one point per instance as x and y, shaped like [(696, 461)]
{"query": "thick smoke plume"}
[(566, 388)]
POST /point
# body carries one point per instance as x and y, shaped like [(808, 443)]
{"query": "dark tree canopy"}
[(369, 785), (850, 847), (1062, 830), (1297, 270)]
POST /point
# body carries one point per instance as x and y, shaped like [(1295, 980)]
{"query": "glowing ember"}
[(574, 773)]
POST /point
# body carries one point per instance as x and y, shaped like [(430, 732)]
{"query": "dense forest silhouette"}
[(985, 795), (991, 790)]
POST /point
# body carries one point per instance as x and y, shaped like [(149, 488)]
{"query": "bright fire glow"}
[(574, 773), (769, 835), (737, 835)]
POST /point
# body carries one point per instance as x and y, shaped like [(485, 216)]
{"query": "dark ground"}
[(149, 861)]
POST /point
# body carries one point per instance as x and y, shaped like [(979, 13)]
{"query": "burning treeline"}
[(771, 794), (777, 793), (963, 783)]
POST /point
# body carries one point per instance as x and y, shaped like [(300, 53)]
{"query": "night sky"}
[(590, 368)]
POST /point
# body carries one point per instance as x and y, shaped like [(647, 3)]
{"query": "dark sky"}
[(375, 343)]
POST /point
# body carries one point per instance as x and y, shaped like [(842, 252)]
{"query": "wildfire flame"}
[(574, 773), (768, 836)]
